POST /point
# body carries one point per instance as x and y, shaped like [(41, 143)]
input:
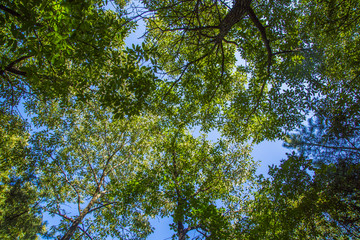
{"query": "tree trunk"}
[(79, 219), (234, 16), (181, 231)]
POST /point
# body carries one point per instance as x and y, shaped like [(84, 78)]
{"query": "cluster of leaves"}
[(335, 153), (20, 212), (199, 183), (90, 160), (298, 201), (291, 61), (111, 125), (55, 48)]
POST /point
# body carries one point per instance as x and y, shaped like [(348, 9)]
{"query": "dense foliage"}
[(104, 136)]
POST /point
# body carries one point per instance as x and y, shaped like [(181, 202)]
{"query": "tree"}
[(331, 136), (20, 215), (56, 48), (334, 147), (290, 61), (295, 202), (91, 161), (201, 185), (119, 172), (88, 95)]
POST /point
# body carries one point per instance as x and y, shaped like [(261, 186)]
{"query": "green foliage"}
[(334, 147), (110, 132), (199, 183), (56, 48), (91, 161), (295, 203), (291, 61), (20, 215)]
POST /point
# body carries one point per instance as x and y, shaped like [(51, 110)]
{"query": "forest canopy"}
[(99, 133)]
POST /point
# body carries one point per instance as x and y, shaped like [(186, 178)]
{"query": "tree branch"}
[(10, 11), (236, 13), (10, 66), (101, 206), (334, 147), (72, 220), (264, 38), (184, 70), (266, 42), (89, 163), (292, 51), (78, 220), (257, 101), (68, 181)]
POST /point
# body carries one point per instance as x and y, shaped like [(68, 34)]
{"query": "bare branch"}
[(334, 147), (188, 29), (15, 71), (222, 72), (78, 220)]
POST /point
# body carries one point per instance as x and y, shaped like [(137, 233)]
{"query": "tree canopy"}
[(100, 133)]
